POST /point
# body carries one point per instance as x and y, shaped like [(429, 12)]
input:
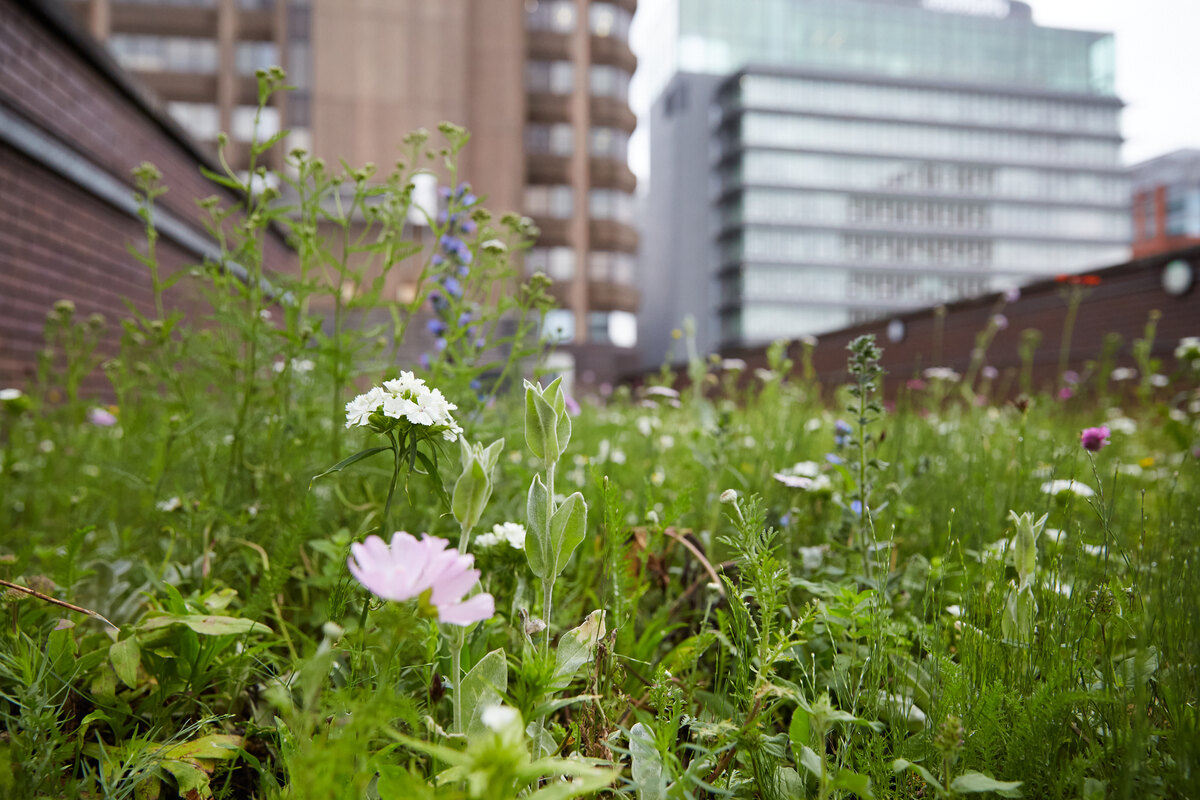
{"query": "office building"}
[(1166, 203), (818, 163), (542, 86)]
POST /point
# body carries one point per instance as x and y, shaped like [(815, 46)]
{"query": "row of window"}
[(560, 16), (558, 77), (929, 105), (202, 121), (863, 172), (784, 206), (823, 284), (558, 139), (558, 263), (775, 130), (604, 327), (187, 54), (895, 249)]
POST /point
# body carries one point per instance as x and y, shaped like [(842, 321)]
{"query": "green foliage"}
[(724, 622)]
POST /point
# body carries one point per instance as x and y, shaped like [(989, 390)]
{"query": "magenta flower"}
[(1094, 438), (409, 568), (102, 417)]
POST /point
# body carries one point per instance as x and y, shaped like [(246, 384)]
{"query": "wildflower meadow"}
[(269, 558)]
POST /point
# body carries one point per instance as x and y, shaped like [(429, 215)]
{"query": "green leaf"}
[(205, 624), (810, 760), (537, 539), (223, 180), (647, 767), (341, 465), (543, 437), (798, 731), (851, 781), (482, 687), (434, 478), (567, 529), (217, 747), (126, 656), (471, 493), (974, 782), (576, 647)]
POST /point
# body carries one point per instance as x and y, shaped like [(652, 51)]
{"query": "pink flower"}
[(1094, 438), (1065, 393), (409, 568), (101, 417), (915, 384)]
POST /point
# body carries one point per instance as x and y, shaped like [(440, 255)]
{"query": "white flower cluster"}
[(805, 475), (511, 532), (942, 374), (1188, 351), (1068, 487), (406, 397)]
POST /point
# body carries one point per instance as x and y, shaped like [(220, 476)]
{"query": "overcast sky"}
[(1158, 65)]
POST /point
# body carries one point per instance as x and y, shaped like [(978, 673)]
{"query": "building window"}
[(605, 142), (555, 202), (606, 19), (164, 53), (198, 119), (556, 139), (610, 204), (609, 81), (249, 57), (550, 15), (558, 326), (244, 127), (558, 263), (611, 267), (553, 77)]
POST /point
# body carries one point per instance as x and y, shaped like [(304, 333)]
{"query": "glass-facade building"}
[(870, 156)]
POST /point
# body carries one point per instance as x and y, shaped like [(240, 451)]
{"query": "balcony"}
[(611, 50), (545, 107), (613, 113), (542, 168), (611, 173), (608, 234)]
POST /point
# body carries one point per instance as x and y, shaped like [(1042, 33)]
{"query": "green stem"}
[(1064, 350), (456, 646), (862, 474), (396, 463)]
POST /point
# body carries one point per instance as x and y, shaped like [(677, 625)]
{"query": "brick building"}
[(72, 127), (542, 85), (1166, 203)]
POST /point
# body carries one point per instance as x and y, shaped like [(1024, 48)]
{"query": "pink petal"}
[(453, 585), (475, 609)]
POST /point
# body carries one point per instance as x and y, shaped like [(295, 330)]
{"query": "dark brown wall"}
[(1121, 303), (58, 239)]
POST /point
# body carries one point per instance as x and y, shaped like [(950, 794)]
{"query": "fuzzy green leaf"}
[(482, 687), (126, 656), (567, 529), (974, 782), (537, 539), (576, 647), (647, 765)]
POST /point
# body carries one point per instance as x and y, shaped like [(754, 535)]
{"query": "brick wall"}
[(59, 240), (1121, 303)]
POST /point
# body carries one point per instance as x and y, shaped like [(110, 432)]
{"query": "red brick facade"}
[(1150, 229), (59, 238)]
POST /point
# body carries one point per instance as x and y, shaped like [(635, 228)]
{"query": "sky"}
[(1158, 70)]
